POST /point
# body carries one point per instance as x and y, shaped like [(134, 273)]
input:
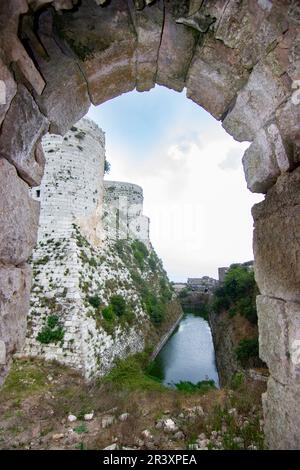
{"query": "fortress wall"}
[(123, 209), (72, 187)]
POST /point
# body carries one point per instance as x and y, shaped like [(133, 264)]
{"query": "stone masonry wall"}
[(76, 261), (72, 186), (123, 212)]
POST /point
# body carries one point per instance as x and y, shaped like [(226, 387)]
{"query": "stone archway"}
[(239, 60)]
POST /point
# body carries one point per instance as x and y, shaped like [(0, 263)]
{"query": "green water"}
[(188, 354)]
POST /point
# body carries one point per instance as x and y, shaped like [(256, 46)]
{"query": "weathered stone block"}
[(255, 104), (65, 98), (281, 415), (14, 303), (288, 119), (215, 76), (21, 131), (265, 159), (176, 50), (104, 39), (277, 240), (8, 89), (18, 217), (279, 338), (252, 27), (148, 24)]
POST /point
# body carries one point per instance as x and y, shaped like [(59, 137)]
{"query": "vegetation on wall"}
[(237, 294), (52, 331), (148, 277), (247, 351)]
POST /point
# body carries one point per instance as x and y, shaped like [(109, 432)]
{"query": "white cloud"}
[(200, 212)]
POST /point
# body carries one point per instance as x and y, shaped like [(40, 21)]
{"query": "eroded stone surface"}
[(280, 320), (148, 24), (177, 47), (104, 39), (288, 119), (276, 239), (252, 27), (255, 104), (14, 303), (65, 98), (21, 131), (18, 217), (215, 76), (281, 417), (8, 89), (265, 159)]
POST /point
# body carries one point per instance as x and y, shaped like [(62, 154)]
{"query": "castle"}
[(93, 246)]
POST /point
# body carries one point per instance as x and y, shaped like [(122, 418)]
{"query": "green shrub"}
[(247, 349), (52, 321), (108, 313), (118, 305), (140, 252), (203, 386), (106, 167), (43, 260), (237, 380), (237, 294), (157, 313), (152, 262), (94, 301), (52, 332)]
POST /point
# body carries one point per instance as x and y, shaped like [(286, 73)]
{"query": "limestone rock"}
[(169, 425), (282, 421), (215, 76), (276, 239), (124, 417), (264, 160), (148, 24), (111, 447), (280, 320), (105, 41), (58, 437), (8, 89), (22, 129), (251, 28), (288, 118), (65, 98), (72, 418), (89, 416), (254, 106), (176, 50), (18, 217), (15, 286)]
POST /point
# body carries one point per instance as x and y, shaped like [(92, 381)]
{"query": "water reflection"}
[(188, 355)]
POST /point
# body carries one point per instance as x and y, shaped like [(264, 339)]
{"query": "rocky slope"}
[(47, 406), (93, 305)]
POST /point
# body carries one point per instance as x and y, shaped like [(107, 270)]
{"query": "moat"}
[(188, 355)]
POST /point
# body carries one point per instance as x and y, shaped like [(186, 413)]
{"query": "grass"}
[(200, 387), (23, 380), (130, 374), (31, 399)]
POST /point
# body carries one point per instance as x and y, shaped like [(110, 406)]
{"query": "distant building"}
[(224, 270), (201, 284)]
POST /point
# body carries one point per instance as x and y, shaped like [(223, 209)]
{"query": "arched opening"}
[(237, 61)]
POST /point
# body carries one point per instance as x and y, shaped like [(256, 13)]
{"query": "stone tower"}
[(77, 267), (72, 186)]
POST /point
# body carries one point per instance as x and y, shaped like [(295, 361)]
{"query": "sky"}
[(191, 173)]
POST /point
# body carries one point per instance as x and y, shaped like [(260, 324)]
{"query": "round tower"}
[(72, 187)]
